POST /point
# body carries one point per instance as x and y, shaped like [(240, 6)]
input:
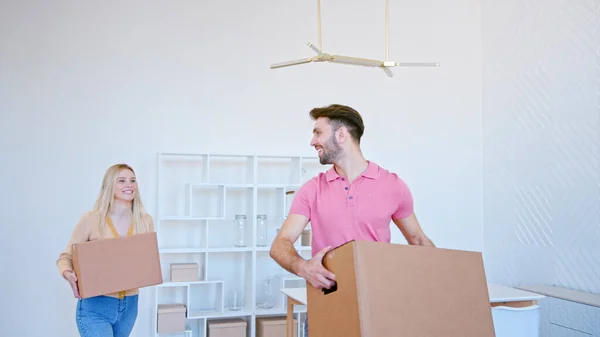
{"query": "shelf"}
[(199, 196), (225, 314)]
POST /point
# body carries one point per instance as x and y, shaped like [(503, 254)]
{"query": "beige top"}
[(88, 229)]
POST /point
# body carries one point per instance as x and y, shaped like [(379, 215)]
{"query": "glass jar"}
[(240, 227), (261, 230), (266, 299)]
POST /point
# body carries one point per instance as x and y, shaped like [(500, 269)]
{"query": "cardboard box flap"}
[(171, 308), (227, 323)]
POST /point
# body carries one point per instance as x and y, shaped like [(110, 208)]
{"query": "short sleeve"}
[(303, 199), (404, 200)]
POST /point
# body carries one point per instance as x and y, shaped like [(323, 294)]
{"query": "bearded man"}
[(354, 200)]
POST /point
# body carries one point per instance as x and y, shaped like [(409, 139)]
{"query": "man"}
[(354, 200)]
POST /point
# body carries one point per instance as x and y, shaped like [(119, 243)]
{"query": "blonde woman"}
[(118, 211)]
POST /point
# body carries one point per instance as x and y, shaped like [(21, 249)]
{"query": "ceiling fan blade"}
[(354, 60), (291, 63), (315, 48), (388, 72), (418, 64)]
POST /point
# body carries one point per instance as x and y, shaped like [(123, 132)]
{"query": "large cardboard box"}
[(112, 265), (385, 290)]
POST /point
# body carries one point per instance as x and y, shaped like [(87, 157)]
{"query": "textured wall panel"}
[(541, 133)]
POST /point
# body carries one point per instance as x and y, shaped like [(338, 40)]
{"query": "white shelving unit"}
[(198, 198)]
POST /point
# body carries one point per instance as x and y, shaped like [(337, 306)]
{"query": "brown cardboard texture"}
[(117, 264), (398, 290)]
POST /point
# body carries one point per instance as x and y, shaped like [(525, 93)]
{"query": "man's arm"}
[(282, 249), (284, 253), (412, 231)]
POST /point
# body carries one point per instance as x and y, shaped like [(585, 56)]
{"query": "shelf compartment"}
[(174, 294), (231, 169), (206, 201), (205, 299), (195, 327), (180, 234), (183, 257), (278, 170), (268, 269), (175, 171), (289, 193), (271, 202), (235, 270), (223, 233)]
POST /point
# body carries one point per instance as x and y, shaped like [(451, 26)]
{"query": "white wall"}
[(176, 76), (541, 140)]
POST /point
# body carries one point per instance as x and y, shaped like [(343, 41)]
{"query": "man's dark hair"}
[(341, 115)]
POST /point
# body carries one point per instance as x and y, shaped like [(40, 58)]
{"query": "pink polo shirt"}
[(340, 212)]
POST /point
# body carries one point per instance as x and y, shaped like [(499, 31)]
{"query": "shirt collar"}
[(371, 172)]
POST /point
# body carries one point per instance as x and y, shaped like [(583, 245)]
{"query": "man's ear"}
[(342, 134)]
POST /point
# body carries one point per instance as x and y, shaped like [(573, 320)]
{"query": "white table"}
[(499, 295)]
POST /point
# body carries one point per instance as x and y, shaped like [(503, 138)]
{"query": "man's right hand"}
[(72, 279), (314, 272)]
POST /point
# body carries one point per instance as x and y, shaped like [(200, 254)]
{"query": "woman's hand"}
[(69, 275)]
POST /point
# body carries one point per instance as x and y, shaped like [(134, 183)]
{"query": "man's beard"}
[(331, 151)]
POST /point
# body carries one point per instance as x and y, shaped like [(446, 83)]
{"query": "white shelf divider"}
[(198, 197)]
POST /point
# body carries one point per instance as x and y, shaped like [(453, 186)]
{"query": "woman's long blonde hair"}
[(105, 199)]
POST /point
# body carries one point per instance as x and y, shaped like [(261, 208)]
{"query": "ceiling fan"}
[(326, 57)]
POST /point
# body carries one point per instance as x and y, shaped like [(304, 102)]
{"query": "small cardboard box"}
[(184, 272), (273, 327), (385, 290), (171, 318), (118, 264), (230, 327)]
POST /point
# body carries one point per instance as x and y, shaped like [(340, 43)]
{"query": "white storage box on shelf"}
[(199, 196)]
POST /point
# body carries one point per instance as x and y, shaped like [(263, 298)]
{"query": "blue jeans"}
[(306, 327), (104, 316)]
